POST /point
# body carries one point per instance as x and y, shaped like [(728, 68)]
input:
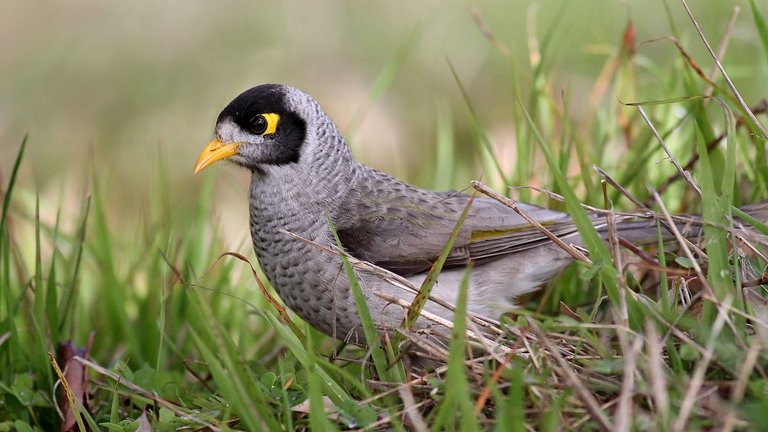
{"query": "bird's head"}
[(265, 125)]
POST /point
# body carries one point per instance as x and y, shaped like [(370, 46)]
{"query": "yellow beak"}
[(215, 151)]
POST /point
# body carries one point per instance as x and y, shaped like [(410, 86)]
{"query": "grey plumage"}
[(303, 175)]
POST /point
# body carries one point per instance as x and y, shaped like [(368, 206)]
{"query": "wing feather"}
[(404, 229)]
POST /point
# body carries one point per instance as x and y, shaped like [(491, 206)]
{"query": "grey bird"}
[(304, 175)]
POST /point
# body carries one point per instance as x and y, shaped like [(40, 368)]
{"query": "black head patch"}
[(284, 145)]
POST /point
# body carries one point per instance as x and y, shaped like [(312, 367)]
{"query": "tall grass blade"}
[(598, 251), (318, 419), (229, 371), (11, 183), (760, 24), (457, 389), (417, 305), (65, 308), (369, 328)]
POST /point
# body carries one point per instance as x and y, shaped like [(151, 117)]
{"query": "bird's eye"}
[(259, 124), (265, 124)]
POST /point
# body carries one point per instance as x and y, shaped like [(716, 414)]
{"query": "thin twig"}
[(686, 175), (659, 389), (760, 108), (697, 379), (681, 240), (486, 31), (428, 315), (503, 365), (572, 251), (582, 392), (144, 393), (624, 410), (410, 408), (727, 79), (737, 392), (610, 180), (723, 46)]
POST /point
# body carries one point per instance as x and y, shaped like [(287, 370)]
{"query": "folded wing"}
[(405, 231)]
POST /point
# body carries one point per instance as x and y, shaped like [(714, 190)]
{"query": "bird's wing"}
[(405, 231)]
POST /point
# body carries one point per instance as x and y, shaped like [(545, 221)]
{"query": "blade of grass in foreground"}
[(762, 28), (715, 209), (11, 348), (511, 409), (11, 183), (380, 362), (417, 305), (598, 251), (231, 389), (230, 372), (457, 389), (39, 347), (65, 308), (102, 246), (9, 341), (337, 394), (317, 417), (369, 328)]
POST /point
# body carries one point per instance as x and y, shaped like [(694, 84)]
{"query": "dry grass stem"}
[(572, 251)]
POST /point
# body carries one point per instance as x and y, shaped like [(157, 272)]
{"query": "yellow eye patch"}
[(272, 121)]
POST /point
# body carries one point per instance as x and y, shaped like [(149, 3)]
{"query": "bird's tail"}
[(758, 211), (645, 232)]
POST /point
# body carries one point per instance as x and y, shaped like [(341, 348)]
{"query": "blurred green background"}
[(128, 92)]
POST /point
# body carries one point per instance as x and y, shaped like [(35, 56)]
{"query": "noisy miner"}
[(305, 183)]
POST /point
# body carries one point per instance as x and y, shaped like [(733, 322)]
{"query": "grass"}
[(162, 327)]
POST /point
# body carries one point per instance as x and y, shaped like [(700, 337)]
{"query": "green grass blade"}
[(583, 223), (598, 251), (8, 330), (457, 391), (762, 28), (729, 174), (162, 320), (65, 308), (719, 273), (369, 328), (39, 347), (51, 305), (229, 371), (336, 392), (39, 292), (417, 305), (318, 419), (372, 338), (232, 389), (511, 409), (756, 223), (11, 183)]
